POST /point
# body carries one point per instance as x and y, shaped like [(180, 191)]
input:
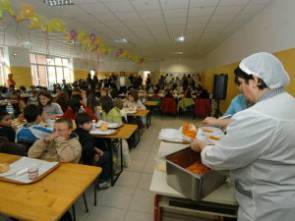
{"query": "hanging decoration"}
[(88, 41), (54, 25), (26, 13), (73, 35), (5, 6), (35, 22)]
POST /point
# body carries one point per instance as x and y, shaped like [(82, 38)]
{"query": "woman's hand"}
[(210, 121), (198, 145)]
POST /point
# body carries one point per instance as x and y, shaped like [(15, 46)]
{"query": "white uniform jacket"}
[(259, 150)]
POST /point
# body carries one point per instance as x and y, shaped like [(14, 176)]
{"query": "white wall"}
[(272, 30), (181, 66)]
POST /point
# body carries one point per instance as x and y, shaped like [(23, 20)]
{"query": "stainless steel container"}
[(191, 185)]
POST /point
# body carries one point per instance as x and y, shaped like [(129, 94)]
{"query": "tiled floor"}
[(130, 198)]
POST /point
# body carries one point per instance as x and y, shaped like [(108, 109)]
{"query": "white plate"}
[(129, 111), (102, 132), (110, 125), (173, 135), (205, 136)]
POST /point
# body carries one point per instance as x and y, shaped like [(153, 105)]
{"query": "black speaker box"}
[(220, 86)]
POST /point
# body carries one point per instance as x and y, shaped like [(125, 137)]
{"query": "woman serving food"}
[(259, 147)]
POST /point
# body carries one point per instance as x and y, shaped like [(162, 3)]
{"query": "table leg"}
[(95, 193), (85, 202), (157, 209), (148, 120), (74, 212), (121, 154), (115, 176)]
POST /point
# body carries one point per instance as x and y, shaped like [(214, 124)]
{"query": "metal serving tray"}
[(191, 185)]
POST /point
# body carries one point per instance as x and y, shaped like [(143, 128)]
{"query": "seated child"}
[(32, 130), (6, 129), (61, 145), (92, 155)]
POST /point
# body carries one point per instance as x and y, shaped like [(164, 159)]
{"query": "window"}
[(145, 75), (4, 67), (49, 70)]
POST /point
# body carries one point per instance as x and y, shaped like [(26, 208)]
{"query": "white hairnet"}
[(267, 67)]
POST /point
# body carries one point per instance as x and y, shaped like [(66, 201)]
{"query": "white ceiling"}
[(151, 26)]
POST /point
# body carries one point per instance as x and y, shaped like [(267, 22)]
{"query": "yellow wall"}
[(287, 57), (22, 76), (80, 74)]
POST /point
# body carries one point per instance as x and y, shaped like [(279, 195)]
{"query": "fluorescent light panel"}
[(58, 2), (121, 41), (180, 39)]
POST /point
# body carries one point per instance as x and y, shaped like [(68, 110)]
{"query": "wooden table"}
[(143, 113), (124, 132), (49, 198), (151, 103)]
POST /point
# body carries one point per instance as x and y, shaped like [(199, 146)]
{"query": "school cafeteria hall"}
[(147, 110)]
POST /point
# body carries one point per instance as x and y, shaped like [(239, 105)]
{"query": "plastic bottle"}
[(81, 110), (93, 124), (10, 109)]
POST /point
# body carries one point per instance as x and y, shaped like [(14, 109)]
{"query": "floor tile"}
[(117, 197), (128, 179), (145, 181), (149, 166), (142, 202), (106, 214), (136, 165), (138, 216)]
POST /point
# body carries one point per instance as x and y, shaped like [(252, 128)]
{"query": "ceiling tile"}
[(122, 6), (203, 3), (84, 1), (147, 5), (253, 9), (93, 8), (228, 10), (175, 13), (222, 19), (261, 1), (127, 15), (202, 11), (198, 19), (174, 4), (233, 2), (150, 14)]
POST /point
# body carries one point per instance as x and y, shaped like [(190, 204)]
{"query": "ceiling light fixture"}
[(180, 39), (178, 52), (58, 2), (121, 41)]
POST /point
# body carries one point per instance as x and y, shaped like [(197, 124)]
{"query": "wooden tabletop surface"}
[(49, 198), (124, 132)]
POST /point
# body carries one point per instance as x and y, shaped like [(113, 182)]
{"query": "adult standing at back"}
[(10, 81), (259, 147)]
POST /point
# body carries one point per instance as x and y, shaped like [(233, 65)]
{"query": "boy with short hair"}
[(92, 155), (6, 129), (61, 145), (32, 130)]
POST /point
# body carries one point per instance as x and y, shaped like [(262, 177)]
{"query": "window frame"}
[(51, 64)]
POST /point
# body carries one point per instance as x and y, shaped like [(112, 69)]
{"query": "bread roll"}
[(104, 127)]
